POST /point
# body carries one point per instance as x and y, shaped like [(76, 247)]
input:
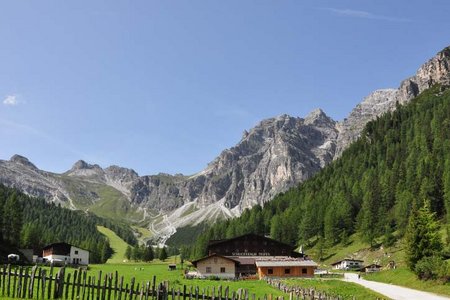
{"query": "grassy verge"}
[(333, 287), (119, 246), (404, 277)]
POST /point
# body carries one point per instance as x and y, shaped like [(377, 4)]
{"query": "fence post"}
[(109, 285), (14, 282), (120, 288), (44, 283), (19, 282), (31, 285), (130, 297), (105, 279), (154, 287), (116, 278), (59, 284), (83, 293), (147, 288)]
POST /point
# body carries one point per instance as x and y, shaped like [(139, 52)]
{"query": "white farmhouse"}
[(64, 253), (216, 265), (347, 264)]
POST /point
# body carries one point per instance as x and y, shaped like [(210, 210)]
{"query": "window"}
[(222, 270), (76, 251), (208, 269), (270, 271), (287, 271), (304, 271)]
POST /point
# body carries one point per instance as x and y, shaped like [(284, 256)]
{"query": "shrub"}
[(432, 268)]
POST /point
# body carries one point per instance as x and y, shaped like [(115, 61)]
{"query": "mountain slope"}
[(435, 71), (275, 155), (401, 160)]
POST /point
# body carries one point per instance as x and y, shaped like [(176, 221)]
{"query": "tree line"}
[(146, 253), (400, 164), (28, 222)]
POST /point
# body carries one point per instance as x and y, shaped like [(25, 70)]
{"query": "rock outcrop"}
[(435, 71), (273, 156)]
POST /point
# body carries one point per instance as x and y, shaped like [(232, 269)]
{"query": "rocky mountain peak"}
[(317, 117), (82, 165), (116, 170), (22, 160)]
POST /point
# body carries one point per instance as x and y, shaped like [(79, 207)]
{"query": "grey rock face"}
[(372, 106), (273, 156), (435, 71)]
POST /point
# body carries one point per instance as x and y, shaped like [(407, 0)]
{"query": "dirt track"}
[(393, 291)]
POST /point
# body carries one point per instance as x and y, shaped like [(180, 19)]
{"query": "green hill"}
[(118, 245), (401, 159)]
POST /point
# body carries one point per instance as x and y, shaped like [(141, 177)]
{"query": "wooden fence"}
[(40, 283)]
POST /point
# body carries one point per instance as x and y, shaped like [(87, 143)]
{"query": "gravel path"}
[(393, 291)]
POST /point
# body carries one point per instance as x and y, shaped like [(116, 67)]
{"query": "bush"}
[(432, 268)]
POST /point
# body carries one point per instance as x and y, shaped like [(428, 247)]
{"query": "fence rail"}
[(42, 284)]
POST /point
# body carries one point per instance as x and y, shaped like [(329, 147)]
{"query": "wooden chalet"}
[(251, 245), (285, 267), (251, 254)]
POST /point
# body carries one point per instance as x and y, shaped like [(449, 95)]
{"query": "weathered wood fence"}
[(297, 292), (41, 283)]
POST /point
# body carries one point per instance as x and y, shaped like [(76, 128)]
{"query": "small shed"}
[(371, 268)]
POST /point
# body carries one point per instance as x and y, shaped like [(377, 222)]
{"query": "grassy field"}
[(334, 287), (119, 246), (404, 277), (144, 272)]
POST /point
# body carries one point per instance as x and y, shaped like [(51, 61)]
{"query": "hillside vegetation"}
[(401, 160), (29, 222), (118, 245)]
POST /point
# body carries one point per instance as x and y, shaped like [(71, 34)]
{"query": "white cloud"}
[(12, 100), (363, 15)]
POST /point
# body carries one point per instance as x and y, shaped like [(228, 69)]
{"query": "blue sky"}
[(165, 86)]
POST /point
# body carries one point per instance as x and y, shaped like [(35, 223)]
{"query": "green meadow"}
[(143, 272), (334, 287)]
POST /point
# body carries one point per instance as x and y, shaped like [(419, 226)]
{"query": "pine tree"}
[(148, 254), (163, 254), (422, 236), (128, 252)]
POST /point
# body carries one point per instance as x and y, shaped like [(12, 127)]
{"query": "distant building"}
[(347, 264), (371, 268), (27, 254), (64, 253), (251, 254)]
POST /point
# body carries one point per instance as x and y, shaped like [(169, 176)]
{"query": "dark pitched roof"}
[(62, 245), (59, 248), (216, 242), (194, 262)]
